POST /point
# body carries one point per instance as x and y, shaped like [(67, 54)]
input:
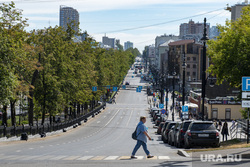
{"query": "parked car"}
[(159, 119), (165, 133), (180, 134), (154, 110), (172, 134), (160, 128), (201, 133), (165, 125), (126, 83)]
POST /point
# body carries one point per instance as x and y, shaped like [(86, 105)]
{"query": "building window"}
[(188, 73), (214, 113), (228, 113), (194, 73), (194, 65), (188, 65), (188, 58), (194, 58)]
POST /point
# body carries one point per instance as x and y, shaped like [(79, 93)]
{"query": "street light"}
[(204, 39), (174, 73), (183, 81)]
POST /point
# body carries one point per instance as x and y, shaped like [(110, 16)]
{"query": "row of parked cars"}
[(187, 133)]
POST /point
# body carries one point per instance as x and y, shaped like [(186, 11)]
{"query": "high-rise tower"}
[(69, 15)]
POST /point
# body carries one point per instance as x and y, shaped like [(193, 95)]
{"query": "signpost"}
[(161, 105), (114, 89), (184, 108), (94, 88), (245, 103)]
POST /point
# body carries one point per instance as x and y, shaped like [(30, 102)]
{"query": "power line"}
[(157, 24)]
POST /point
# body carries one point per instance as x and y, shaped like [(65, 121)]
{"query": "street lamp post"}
[(204, 39), (173, 96), (183, 81)]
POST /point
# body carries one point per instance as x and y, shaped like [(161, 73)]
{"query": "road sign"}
[(132, 76), (245, 103), (161, 105), (94, 88), (138, 90), (140, 87), (123, 86), (185, 108), (163, 111), (114, 89), (245, 83), (245, 95), (154, 99)]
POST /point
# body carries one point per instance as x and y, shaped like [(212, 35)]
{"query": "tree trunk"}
[(4, 115), (31, 94), (13, 112)]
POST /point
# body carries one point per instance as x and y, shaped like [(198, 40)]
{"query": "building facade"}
[(128, 44), (69, 15), (192, 30), (237, 9), (108, 42)]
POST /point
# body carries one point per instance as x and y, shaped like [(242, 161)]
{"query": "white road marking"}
[(111, 158), (18, 151), (58, 157), (163, 157), (129, 117), (140, 157), (85, 158), (98, 122)]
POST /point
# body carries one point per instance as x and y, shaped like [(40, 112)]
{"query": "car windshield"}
[(185, 126), (202, 126)]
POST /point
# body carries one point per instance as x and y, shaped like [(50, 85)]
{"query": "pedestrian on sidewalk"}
[(220, 124), (142, 135), (224, 130)]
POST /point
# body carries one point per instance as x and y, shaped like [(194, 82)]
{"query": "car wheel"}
[(217, 145)]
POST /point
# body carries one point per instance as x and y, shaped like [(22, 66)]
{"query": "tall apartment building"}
[(128, 44), (159, 40), (214, 32), (108, 41), (237, 9), (69, 15), (192, 30)]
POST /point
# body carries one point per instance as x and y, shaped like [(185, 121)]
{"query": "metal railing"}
[(39, 129), (240, 127)]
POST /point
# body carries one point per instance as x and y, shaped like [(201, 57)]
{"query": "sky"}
[(137, 21)]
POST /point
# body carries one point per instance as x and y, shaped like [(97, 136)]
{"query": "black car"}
[(179, 139), (201, 133), (165, 133)]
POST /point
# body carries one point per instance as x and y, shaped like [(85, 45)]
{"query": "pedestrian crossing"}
[(78, 158)]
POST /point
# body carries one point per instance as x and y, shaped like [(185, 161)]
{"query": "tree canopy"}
[(52, 70), (230, 53)]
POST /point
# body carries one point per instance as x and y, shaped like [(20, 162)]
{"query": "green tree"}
[(230, 53), (12, 37)]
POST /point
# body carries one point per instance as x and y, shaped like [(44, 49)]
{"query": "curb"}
[(183, 153)]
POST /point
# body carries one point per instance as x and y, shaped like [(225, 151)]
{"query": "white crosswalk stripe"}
[(79, 158)]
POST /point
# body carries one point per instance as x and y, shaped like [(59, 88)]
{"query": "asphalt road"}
[(103, 141)]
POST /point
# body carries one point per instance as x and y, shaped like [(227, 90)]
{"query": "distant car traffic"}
[(126, 83)]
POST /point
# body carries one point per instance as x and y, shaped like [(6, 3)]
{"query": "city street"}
[(103, 141)]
